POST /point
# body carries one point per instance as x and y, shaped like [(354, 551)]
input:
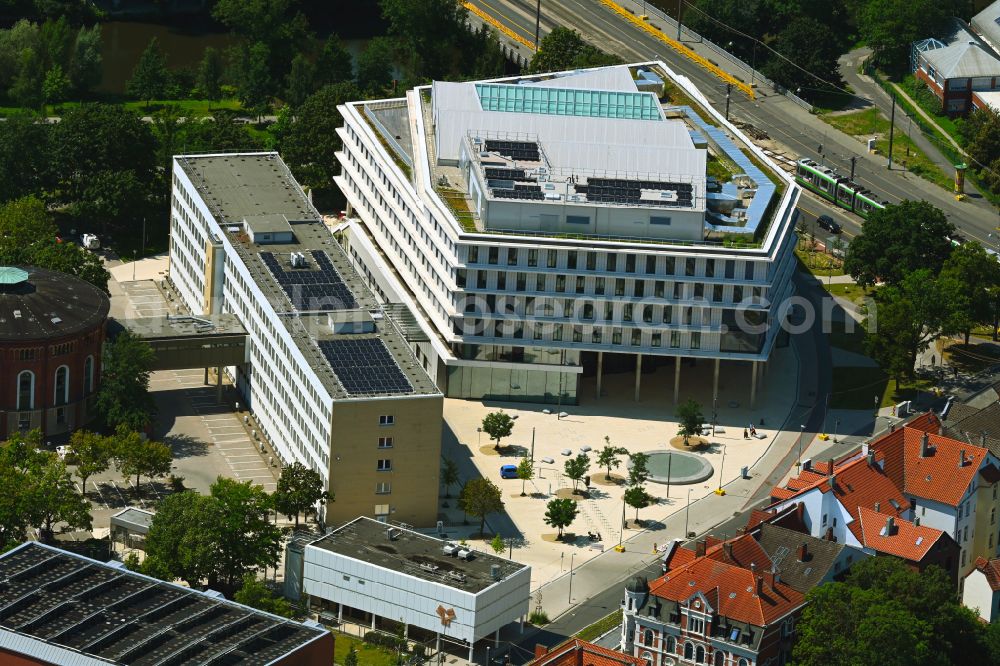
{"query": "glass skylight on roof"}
[(569, 102)]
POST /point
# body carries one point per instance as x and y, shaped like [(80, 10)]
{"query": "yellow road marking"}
[(683, 49), (498, 25)]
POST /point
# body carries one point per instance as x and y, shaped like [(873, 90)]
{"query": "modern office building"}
[(61, 608), (451, 592), (330, 378), (536, 225)]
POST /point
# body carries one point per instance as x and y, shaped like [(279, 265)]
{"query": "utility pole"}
[(853, 161), (892, 127), (538, 21), (687, 513), (680, 6), (729, 89)]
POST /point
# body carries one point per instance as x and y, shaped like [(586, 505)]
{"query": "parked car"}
[(508, 471), (828, 223)]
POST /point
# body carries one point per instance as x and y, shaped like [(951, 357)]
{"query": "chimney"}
[(982, 439), (924, 448), (830, 463), (801, 554), (890, 526), (864, 449), (807, 464), (760, 585), (769, 579), (961, 458), (871, 458), (727, 547), (699, 548), (540, 650), (753, 568), (833, 481), (878, 507)]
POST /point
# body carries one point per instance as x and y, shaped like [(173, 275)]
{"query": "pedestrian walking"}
[(745, 435)]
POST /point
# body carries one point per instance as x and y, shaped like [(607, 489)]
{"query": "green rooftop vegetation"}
[(459, 206)]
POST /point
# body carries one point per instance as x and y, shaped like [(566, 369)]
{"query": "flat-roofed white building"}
[(401, 575), (535, 224)]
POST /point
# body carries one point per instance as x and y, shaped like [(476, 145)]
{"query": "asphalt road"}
[(799, 132)]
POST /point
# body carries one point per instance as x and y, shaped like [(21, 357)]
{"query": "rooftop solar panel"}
[(364, 366), (318, 287)]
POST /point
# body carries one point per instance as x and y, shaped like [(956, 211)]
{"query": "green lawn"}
[(601, 627), (186, 107), (818, 263), (866, 122), (718, 169), (856, 388), (369, 655), (851, 292), (929, 103)]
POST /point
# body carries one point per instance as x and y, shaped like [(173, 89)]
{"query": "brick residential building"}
[(581, 653), (50, 350)]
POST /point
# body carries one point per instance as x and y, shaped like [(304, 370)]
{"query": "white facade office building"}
[(394, 573), (536, 224), (330, 378)]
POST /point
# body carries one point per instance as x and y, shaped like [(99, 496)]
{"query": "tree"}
[(560, 514), (897, 240), (139, 457), (564, 48), (23, 158), (889, 27), (479, 498), (430, 34), (449, 474), (253, 76), (610, 457), (57, 39), (256, 594), (889, 614), (497, 425), (183, 541), (352, 657), (576, 468), (209, 79), (334, 63), (299, 83), (638, 470), (55, 499), (26, 89), (150, 76), (95, 139), (123, 398), (217, 132), (969, 277), (247, 539), (86, 66), (375, 65), (691, 420), (637, 498), (90, 453), (904, 320), (311, 144), (498, 545), (56, 86), (525, 470), (299, 490), (797, 40)]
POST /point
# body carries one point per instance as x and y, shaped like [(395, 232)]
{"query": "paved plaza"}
[(647, 426)]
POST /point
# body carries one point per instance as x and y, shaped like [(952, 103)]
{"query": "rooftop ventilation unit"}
[(495, 571)]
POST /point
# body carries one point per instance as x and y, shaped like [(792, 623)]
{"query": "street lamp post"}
[(571, 557), (802, 434), (621, 532), (687, 513), (836, 428), (722, 466)]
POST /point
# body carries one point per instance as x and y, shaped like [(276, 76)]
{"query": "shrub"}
[(538, 617), (385, 640)]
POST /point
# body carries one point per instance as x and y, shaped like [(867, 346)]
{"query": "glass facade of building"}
[(569, 102)]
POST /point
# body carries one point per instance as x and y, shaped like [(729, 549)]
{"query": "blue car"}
[(508, 471)]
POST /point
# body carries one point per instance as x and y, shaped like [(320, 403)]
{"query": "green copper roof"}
[(10, 275), (569, 101)]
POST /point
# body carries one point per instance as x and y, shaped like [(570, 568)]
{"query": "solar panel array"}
[(515, 150), (519, 194), (613, 190), (364, 366), (317, 288), (499, 173)]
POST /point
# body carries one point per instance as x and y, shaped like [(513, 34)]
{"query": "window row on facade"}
[(26, 382)]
